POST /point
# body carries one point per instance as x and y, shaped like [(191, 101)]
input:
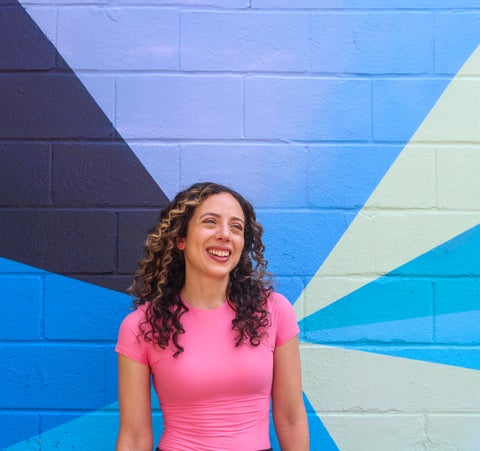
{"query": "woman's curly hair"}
[(161, 274)]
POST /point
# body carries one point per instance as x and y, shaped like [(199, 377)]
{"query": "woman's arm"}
[(135, 432), (289, 414)]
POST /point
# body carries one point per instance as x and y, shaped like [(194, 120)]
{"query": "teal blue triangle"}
[(431, 300), (461, 356), (93, 430), (74, 311), (320, 439)]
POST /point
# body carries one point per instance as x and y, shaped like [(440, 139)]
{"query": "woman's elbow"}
[(128, 441)]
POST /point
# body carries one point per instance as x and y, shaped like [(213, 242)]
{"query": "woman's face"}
[(215, 238)]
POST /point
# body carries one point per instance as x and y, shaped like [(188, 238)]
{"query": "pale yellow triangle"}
[(376, 402), (430, 194)]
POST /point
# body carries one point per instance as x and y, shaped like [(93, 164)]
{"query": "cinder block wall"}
[(352, 126)]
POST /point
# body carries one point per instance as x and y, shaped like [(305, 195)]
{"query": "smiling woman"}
[(212, 249), (217, 341)]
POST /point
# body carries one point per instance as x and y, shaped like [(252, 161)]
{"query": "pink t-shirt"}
[(213, 396)]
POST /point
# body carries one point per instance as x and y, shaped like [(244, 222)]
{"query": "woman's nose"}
[(224, 232)]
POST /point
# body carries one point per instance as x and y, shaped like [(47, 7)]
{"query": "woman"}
[(217, 341)]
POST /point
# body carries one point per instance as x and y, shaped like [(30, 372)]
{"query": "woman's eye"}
[(237, 227), (209, 221)]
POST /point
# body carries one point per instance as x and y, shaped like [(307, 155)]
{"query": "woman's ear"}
[(180, 243)]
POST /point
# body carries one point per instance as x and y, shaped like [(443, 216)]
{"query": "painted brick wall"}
[(352, 126)]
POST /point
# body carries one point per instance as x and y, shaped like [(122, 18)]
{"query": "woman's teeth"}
[(219, 253)]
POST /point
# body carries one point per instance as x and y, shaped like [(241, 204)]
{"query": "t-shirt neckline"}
[(200, 309)]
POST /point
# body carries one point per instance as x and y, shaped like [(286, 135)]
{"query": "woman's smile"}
[(221, 253)]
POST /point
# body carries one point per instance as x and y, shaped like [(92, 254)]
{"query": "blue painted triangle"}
[(431, 300), (94, 430), (320, 439), (67, 359)]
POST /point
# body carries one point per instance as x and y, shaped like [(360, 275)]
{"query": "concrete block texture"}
[(286, 240), (357, 381), (133, 227), (307, 109), (403, 101), (180, 106), (393, 431), (108, 38), (397, 5), (277, 172), (355, 169), (49, 106), (16, 423), (69, 300), (372, 43), (457, 178), (44, 239), (22, 298), (260, 41), (226, 4), (457, 431), (20, 44), (453, 28), (48, 376), (101, 175), (352, 127), (26, 174)]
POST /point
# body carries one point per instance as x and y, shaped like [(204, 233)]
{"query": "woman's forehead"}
[(220, 204)]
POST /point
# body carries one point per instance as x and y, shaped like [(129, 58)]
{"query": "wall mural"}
[(353, 130)]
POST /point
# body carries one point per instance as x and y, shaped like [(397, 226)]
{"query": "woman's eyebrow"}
[(217, 215)]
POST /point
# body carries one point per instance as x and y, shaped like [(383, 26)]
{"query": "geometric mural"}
[(353, 132)]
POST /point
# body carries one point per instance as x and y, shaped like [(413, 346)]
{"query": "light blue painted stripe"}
[(409, 291), (94, 431), (450, 339), (459, 328), (403, 331), (464, 357), (456, 257), (385, 299)]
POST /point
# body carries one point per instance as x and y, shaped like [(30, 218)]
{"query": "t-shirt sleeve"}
[(284, 320), (130, 341)]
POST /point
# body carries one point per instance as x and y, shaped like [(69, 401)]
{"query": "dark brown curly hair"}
[(161, 274)]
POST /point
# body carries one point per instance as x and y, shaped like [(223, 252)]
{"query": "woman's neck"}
[(205, 294)]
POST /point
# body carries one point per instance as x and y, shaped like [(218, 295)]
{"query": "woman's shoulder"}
[(276, 299), (277, 303), (283, 318), (130, 342), (133, 319)]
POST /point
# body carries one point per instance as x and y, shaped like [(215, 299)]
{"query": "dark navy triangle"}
[(74, 198)]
